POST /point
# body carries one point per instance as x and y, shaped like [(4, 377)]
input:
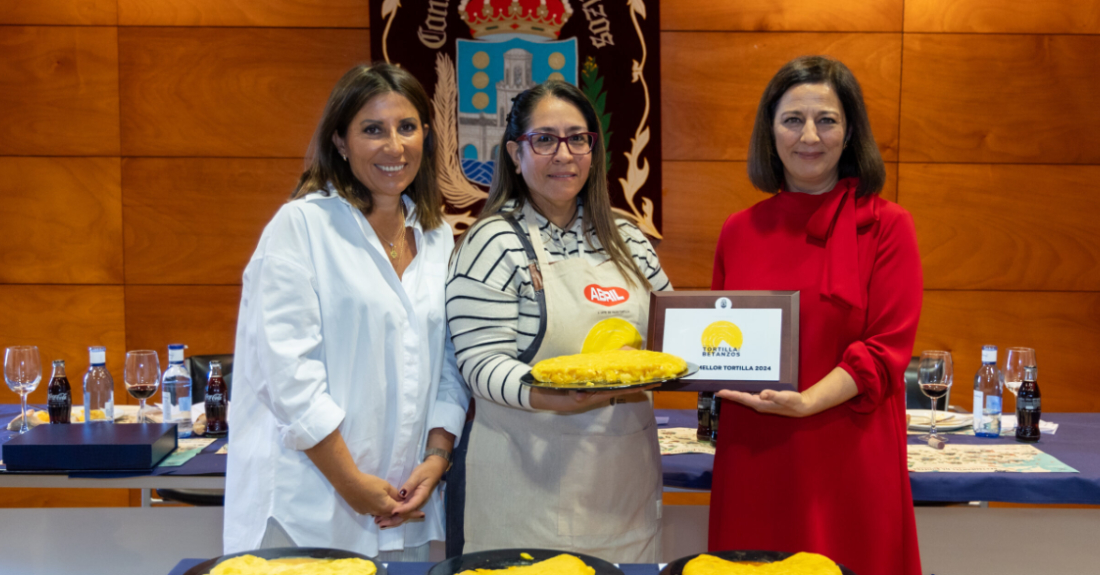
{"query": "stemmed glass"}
[(22, 372), (142, 377), (934, 376), (1015, 361)]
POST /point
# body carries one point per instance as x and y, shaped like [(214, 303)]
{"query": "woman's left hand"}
[(788, 403), (415, 492)]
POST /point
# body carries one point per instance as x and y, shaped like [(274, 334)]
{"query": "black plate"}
[(282, 553), (529, 380), (504, 558), (677, 566)]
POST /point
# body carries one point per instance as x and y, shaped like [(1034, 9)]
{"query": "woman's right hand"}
[(372, 496), (569, 401)]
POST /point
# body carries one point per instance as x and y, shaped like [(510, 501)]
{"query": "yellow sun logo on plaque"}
[(611, 333), (721, 331)]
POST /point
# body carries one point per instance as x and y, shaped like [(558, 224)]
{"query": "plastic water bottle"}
[(99, 388), (988, 388), (177, 391)]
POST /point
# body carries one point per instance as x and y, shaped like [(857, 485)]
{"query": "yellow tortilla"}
[(616, 366), (563, 564), (797, 564), (252, 565)]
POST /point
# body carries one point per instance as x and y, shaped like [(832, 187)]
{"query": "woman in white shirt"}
[(347, 399)]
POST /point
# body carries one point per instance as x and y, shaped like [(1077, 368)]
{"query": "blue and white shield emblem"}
[(490, 74)]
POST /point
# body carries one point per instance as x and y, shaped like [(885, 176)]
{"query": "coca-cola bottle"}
[(715, 415), (217, 396), (1029, 407), (59, 400), (702, 433)]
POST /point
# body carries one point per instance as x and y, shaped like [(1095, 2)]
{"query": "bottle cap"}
[(97, 355), (175, 352), (1031, 373), (59, 363), (989, 354)]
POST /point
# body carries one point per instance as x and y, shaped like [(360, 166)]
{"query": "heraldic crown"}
[(535, 17)]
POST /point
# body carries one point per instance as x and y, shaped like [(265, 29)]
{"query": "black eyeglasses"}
[(545, 144)]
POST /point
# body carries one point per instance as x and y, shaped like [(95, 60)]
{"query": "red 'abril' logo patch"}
[(607, 296)]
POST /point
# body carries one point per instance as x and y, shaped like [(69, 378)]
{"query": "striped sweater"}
[(491, 307)]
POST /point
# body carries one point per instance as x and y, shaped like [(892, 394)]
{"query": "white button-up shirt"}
[(328, 338)]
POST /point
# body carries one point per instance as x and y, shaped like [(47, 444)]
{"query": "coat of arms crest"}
[(503, 47)]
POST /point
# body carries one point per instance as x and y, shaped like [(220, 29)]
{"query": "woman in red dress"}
[(822, 469)]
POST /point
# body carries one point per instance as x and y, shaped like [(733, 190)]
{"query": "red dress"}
[(837, 482)]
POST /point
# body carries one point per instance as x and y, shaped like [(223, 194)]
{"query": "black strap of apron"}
[(536, 283)]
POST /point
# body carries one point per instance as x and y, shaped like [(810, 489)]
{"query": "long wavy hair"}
[(507, 185), (353, 91), (860, 158)]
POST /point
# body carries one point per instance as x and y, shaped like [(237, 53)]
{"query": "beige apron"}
[(587, 482)]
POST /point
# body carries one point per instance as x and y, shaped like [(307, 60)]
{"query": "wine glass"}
[(934, 376), (142, 377), (22, 372), (1015, 361)]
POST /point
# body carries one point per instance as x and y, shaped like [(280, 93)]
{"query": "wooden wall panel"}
[(784, 15), (84, 12), (256, 13), (984, 226), (1003, 16), (62, 220), (63, 321), (197, 221), (1063, 327), (59, 91), (17, 497), (698, 197), (675, 400), (708, 115), (1000, 99), (229, 92), (204, 318)]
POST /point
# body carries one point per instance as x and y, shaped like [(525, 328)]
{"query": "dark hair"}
[(860, 158), (357, 87), (508, 185)]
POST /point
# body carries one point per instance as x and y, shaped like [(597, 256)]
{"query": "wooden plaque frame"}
[(787, 301)]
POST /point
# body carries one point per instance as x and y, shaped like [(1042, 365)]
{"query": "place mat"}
[(188, 448), (1008, 428), (1008, 425), (984, 459), (677, 440)]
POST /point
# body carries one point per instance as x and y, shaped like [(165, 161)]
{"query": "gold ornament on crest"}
[(458, 190), (636, 176)]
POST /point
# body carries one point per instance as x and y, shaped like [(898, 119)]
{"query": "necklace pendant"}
[(393, 254)]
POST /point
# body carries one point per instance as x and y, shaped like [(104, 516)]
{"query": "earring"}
[(345, 157)]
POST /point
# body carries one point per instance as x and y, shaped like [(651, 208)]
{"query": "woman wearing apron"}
[(548, 271)]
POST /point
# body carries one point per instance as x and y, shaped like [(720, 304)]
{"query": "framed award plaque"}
[(741, 340)]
